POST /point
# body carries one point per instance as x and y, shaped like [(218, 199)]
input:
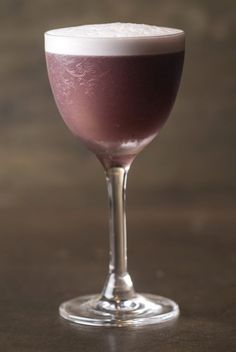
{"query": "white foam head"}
[(114, 39)]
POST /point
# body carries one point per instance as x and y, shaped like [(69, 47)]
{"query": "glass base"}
[(143, 309)]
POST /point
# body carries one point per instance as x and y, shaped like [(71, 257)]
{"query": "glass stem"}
[(118, 286)]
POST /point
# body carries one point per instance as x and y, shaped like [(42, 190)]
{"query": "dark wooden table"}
[(183, 251)]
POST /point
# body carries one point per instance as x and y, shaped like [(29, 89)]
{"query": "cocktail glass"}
[(115, 93)]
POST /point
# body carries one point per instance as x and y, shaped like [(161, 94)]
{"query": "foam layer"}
[(114, 39)]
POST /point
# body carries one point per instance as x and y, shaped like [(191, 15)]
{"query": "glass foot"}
[(143, 309)]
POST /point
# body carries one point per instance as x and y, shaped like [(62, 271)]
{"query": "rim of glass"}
[(179, 33)]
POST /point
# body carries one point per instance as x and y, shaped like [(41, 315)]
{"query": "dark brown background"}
[(181, 188), (193, 154)]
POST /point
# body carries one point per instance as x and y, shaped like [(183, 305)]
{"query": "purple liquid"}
[(115, 104)]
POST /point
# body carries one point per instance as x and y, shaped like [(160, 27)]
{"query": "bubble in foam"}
[(114, 39)]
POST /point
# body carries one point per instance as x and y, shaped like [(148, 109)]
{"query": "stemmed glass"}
[(114, 85)]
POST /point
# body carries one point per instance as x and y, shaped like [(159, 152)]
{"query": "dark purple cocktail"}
[(115, 85), (115, 104)]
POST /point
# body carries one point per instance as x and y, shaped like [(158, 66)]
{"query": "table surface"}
[(183, 251)]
